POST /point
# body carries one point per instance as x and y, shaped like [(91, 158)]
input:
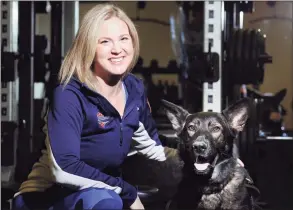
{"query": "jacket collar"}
[(134, 87)]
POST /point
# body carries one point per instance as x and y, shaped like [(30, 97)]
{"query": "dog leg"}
[(211, 201), (232, 195)]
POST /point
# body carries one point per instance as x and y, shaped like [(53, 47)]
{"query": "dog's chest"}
[(222, 200), (211, 201), (229, 196)]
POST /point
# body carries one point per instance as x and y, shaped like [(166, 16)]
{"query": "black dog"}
[(270, 112), (212, 177)]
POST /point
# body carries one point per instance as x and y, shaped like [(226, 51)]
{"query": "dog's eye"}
[(191, 127), (216, 129)]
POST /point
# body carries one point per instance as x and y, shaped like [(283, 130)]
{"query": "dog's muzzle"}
[(203, 166), (203, 156), (200, 148)]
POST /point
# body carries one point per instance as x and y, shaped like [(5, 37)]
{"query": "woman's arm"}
[(64, 126), (146, 139)]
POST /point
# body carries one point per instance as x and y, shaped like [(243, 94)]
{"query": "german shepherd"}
[(212, 177)]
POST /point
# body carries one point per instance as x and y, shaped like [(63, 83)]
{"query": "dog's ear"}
[(238, 113), (176, 114), (279, 96)]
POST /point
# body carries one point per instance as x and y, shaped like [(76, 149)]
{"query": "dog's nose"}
[(199, 146)]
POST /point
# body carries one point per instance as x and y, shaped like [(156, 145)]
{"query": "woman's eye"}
[(124, 38), (191, 127), (104, 42)]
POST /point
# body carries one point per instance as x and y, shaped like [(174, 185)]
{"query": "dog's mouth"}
[(203, 165)]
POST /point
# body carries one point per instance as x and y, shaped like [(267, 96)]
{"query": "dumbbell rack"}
[(9, 98), (9, 43), (9, 89), (212, 92)]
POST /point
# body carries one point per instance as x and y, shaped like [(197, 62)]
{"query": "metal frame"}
[(70, 22), (212, 93), (65, 32), (9, 93), (9, 90)]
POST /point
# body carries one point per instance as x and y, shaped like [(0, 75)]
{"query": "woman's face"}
[(115, 51)]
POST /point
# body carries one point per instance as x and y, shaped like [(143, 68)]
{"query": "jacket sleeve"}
[(64, 126), (145, 139)]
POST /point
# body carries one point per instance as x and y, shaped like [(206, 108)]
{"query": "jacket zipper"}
[(127, 111), (121, 134)]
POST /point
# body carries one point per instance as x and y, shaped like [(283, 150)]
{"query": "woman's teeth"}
[(116, 60)]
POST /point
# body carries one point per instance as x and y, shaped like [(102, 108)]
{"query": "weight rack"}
[(212, 92), (9, 97), (9, 89), (21, 93)]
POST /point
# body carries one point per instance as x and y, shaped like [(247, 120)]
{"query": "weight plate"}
[(236, 58), (245, 56), (231, 47), (246, 44), (245, 67), (239, 46), (253, 46), (259, 52)]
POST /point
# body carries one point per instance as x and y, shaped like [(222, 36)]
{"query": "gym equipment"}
[(237, 56), (194, 63), (22, 94), (41, 59), (246, 56), (7, 66)]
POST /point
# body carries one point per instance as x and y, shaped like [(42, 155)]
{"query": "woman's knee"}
[(18, 203), (94, 198), (109, 203), (108, 200)]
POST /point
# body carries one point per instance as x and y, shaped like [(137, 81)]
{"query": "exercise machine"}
[(27, 59)]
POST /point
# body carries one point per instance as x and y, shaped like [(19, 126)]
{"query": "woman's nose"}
[(116, 48)]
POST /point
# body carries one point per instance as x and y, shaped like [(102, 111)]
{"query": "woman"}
[(97, 113)]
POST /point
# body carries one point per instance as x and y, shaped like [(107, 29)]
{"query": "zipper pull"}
[(121, 134)]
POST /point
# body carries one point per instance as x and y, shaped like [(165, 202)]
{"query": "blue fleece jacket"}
[(87, 139)]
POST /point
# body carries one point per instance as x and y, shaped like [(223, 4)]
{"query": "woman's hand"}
[(137, 205)]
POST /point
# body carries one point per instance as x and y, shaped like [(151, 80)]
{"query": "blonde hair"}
[(80, 57)]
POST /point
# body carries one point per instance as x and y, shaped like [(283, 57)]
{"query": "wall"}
[(279, 74)]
